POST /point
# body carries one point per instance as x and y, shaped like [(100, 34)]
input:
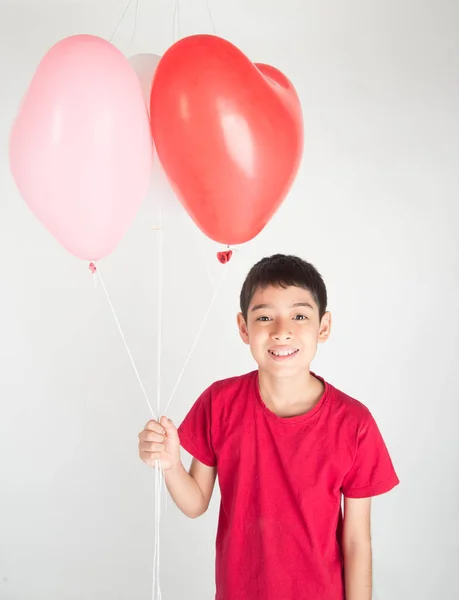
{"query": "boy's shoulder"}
[(344, 404), (229, 395), (233, 384)]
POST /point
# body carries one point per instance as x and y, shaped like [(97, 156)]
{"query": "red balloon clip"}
[(225, 256)]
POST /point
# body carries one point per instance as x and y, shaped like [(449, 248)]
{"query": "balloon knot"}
[(224, 257), (92, 267)]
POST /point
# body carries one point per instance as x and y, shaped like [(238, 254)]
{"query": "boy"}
[(286, 447)]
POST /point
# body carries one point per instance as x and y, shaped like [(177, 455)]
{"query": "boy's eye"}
[(263, 318), (300, 317)]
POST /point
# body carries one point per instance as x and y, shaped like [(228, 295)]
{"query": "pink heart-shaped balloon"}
[(81, 149)]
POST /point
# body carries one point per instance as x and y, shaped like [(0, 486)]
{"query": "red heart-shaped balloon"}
[(228, 133)]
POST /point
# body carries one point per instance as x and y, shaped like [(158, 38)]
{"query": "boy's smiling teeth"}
[(280, 352)]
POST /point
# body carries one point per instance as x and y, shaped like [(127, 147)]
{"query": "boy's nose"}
[(282, 336), (281, 332)]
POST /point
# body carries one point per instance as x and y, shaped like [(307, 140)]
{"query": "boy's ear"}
[(325, 328), (242, 325)]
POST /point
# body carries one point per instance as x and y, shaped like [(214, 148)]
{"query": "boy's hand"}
[(160, 442)]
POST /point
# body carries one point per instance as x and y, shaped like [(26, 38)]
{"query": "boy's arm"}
[(191, 491), (357, 548)]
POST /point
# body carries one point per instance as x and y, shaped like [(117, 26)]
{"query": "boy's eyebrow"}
[(260, 306), (304, 304), (296, 305)]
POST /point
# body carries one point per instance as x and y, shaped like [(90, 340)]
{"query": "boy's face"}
[(283, 329)]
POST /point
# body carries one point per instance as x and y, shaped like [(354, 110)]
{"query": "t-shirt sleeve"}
[(195, 432), (372, 472)]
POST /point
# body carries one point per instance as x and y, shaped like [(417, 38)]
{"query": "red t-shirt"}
[(281, 482)]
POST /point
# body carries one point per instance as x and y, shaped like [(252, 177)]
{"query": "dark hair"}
[(282, 270)]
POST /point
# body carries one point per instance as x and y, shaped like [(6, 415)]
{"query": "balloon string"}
[(156, 589), (159, 478), (211, 17), (203, 254), (99, 276), (198, 335), (135, 20), (159, 308), (159, 473), (176, 22), (128, 6)]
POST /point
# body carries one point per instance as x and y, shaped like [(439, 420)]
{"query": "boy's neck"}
[(290, 396)]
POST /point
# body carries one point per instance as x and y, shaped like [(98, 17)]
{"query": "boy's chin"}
[(283, 369)]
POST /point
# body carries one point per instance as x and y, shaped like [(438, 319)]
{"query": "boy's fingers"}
[(167, 424), (151, 447), (150, 436), (150, 457), (154, 426)]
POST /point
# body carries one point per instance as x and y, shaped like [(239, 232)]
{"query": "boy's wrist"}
[(176, 469)]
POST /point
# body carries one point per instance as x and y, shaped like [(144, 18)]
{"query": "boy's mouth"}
[(283, 353)]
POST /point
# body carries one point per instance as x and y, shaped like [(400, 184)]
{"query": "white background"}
[(374, 207)]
